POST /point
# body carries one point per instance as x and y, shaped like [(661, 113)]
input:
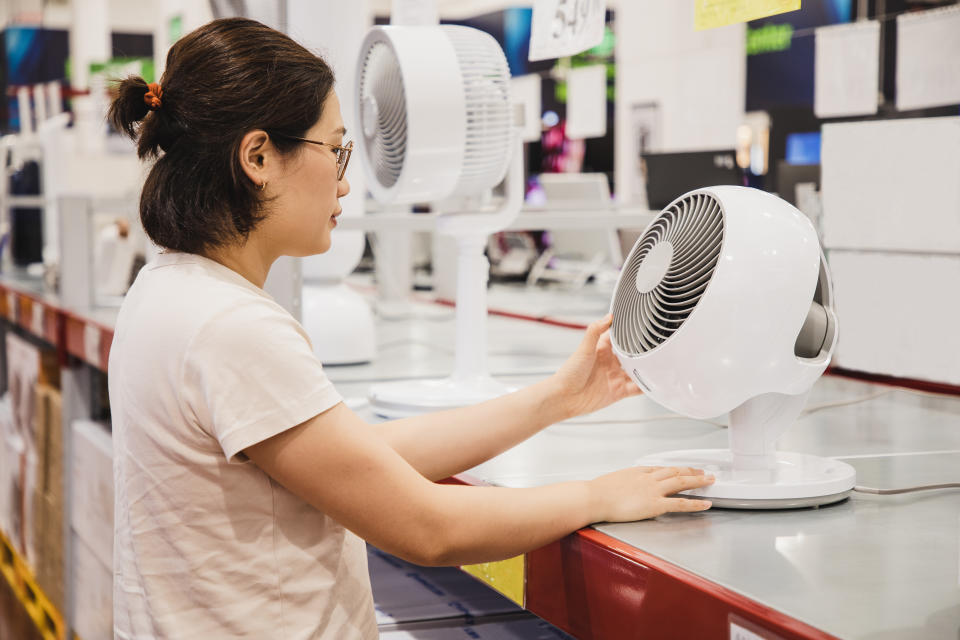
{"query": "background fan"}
[(725, 305), (437, 121)]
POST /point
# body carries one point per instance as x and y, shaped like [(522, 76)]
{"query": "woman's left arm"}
[(442, 444)]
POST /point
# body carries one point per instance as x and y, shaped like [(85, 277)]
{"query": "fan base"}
[(414, 397), (797, 479)]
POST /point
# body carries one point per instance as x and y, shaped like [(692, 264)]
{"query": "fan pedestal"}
[(470, 382), (795, 479), (752, 474)]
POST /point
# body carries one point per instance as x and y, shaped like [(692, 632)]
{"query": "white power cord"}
[(888, 492), (844, 403)]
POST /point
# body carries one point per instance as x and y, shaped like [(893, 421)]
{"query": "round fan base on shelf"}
[(414, 397), (797, 480)]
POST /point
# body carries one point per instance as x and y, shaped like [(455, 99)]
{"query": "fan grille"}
[(666, 273), (383, 113), (486, 84)]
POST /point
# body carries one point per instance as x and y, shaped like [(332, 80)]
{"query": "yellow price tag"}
[(506, 576), (719, 13)]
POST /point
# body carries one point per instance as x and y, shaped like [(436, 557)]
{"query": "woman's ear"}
[(255, 154)]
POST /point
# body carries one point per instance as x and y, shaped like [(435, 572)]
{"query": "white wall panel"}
[(899, 314), (132, 17), (192, 14), (892, 184)]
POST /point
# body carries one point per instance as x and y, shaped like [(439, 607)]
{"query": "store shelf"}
[(84, 334), (46, 618), (700, 577), (594, 586)]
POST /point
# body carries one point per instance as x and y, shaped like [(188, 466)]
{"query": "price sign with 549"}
[(565, 27)]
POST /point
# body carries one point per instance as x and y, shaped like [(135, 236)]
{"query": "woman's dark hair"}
[(222, 80)]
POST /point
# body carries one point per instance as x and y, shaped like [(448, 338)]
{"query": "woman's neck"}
[(249, 259)]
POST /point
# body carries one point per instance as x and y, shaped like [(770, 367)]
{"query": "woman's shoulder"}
[(190, 294)]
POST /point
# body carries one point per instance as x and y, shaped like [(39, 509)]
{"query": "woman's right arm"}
[(338, 464)]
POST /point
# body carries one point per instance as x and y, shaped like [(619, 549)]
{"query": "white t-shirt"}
[(206, 545)]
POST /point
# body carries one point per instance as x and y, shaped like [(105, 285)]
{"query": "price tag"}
[(739, 633), (743, 629), (565, 27), (719, 13), (91, 344), (36, 320), (506, 576)]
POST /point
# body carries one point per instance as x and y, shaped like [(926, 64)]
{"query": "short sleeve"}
[(250, 373)]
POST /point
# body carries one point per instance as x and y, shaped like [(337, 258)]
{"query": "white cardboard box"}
[(91, 486), (92, 593), (899, 314), (11, 488)]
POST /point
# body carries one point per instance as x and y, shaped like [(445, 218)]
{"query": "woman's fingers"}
[(685, 483), (662, 473), (687, 504), (591, 337), (604, 346)]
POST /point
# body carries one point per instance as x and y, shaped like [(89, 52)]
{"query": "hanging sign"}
[(718, 13)]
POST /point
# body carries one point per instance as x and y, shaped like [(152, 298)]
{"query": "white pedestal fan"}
[(437, 121)]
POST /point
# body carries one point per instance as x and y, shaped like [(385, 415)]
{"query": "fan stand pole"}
[(754, 429), (473, 271)]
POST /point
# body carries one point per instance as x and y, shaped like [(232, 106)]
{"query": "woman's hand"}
[(592, 377), (638, 493)]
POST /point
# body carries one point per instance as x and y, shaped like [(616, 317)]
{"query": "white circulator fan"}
[(437, 120), (725, 304)]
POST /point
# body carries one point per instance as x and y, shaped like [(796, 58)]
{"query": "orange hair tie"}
[(153, 95)]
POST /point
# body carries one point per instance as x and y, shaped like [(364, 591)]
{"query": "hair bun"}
[(129, 107)]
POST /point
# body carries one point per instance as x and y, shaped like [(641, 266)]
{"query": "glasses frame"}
[(343, 151)]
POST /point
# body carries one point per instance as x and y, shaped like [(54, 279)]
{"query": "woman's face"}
[(307, 193)]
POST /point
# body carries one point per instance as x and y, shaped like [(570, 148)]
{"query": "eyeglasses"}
[(343, 152)]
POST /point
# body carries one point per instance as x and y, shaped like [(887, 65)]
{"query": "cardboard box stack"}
[(11, 448), (48, 496), (91, 524), (23, 365)]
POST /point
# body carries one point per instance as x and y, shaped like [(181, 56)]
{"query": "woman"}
[(243, 483)]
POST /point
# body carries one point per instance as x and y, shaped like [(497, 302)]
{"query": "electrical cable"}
[(887, 492), (871, 396), (844, 403)]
